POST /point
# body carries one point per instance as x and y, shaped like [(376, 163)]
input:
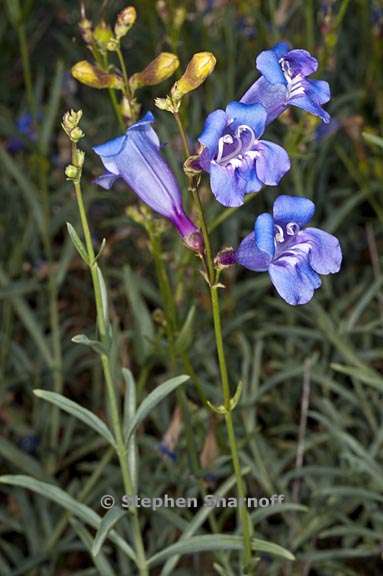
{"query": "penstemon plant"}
[(239, 162)]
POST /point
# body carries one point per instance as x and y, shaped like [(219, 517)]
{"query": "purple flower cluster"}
[(238, 162)]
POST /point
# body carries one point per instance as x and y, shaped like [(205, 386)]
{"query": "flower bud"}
[(86, 31), (72, 172), (194, 241), (76, 134), (92, 76), (225, 258), (71, 120), (167, 104), (199, 68), (125, 20), (158, 70), (80, 157), (102, 35)]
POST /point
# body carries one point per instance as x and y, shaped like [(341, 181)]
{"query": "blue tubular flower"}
[(284, 83), (238, 162), (294, 256), (135, 157)]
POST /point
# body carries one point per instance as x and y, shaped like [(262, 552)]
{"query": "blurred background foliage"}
[(310, 421)]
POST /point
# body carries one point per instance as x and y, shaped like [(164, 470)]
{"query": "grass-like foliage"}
[(138, 358)]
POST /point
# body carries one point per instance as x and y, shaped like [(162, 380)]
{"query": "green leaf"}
[(370, 378), (373, 139), (101, 563), (103, 244), (209, 542), (107, 523), (151, 401), (20, 459), (199, 519), (79, 412), (30, 192), (143, 325), (63, 499), (50, 113), (77, 243), (94, 344), (129, 412), (186, 334), (104, 295), (27, 316)]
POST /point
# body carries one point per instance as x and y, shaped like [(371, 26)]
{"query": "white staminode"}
[(294, 83), (241, 151), (292, 228), (279, 236)]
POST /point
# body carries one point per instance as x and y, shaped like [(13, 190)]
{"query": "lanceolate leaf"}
[(217, 542), (77, 243), (107, 523), (78, 412), (63, 499), (151, 401), (103, 566)]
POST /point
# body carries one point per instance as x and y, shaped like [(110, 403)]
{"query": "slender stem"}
[(182, 133), (244, 515), (103, 62), (107, 370), (116, 108), (124, 71), (212, 282)]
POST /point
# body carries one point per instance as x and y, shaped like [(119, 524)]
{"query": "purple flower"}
[(237, 160), (25, 127), (294, 256), (284, 83), (135, 157)]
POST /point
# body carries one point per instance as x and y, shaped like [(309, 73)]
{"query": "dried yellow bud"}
[(92, 76), (125, 20), (199, 68), (86, 30), (158, 70)]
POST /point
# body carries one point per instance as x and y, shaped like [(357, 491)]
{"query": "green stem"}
[(182, 133), (112, 94), (212, 282), (244, 515), (124, 71), (107, 370)]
